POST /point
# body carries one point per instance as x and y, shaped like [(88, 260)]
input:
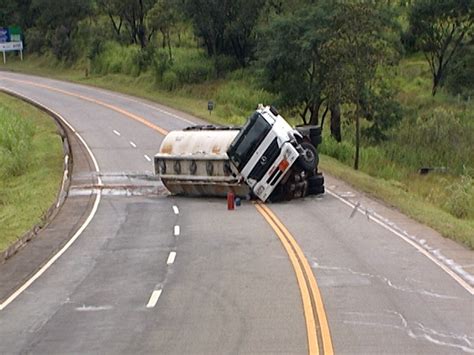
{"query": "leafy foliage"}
[(130, 13), (294, 55), (440, 29), (460, 76), (226, 27)]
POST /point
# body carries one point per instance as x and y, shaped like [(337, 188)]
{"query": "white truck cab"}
[(264, 151)]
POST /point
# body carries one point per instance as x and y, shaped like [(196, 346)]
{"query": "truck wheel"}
[(316, 185), (316, 180), (315, 190), (309, 158)]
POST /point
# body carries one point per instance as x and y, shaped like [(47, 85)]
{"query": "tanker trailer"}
[(266, 158)]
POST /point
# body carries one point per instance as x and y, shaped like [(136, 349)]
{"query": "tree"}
[(112, 9), (132, 13), (440, 28), (17, 13), (226, 27), (361, 44), (162, 17), (381, 110), (57, 21), (293, 54), (326, 55)]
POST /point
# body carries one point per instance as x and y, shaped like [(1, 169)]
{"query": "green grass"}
[(389, 171), (31, 160)]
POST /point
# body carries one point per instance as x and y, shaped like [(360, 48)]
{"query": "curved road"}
[(152, 273)]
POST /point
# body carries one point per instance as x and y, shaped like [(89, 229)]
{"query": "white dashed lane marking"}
[(133, 144), (116, 132), (175, 210), (176, 231), (154, 298), (171, 258), (147, 157)]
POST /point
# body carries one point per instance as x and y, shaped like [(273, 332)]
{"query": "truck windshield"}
[(248, 139)]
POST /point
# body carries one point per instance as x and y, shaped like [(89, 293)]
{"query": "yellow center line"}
[(294, 252), (307, 308), (97, 102)]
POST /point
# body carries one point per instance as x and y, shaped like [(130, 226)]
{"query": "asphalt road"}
[(153, 273)]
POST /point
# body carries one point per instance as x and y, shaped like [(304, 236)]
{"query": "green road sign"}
[(15, 33)]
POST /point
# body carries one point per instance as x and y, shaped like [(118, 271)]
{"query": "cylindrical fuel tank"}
[(194, 162)]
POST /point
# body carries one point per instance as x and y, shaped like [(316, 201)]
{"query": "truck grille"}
[(266, 161)]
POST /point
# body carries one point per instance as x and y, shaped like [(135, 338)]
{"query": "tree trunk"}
[(436, 80), (357, 142), (141, 36), (314, 113), (303, 114), (323, 118), (168, 38), (336, 122), (116, 27), (163, 35)]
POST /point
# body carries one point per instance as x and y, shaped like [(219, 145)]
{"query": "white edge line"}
[(133, 144), (175, 209), (79, 231), (147, 157), (155, 295), (171, 258), (176, 231), (451, 273), (65, 174)]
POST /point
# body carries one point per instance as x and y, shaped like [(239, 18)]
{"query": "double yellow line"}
[(317, 328), (319, 337)]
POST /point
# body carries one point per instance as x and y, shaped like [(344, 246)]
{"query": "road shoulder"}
[(65, 221), (456, 257)]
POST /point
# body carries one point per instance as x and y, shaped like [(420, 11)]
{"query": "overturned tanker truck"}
[(265, 159)]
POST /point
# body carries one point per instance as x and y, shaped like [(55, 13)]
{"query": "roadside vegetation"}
[(31, 159), (394, 91)]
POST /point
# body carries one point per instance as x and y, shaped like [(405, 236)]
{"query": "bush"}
[(343, 151), (440, 138), (191, 66), (170, 80), (374, 161), (160, 63), (61, 44), (15, 143), (112, 58), (34, 40), (225, 64), (243, 95), (460, 202), (460, 78)]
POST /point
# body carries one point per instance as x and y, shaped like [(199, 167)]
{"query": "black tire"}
[(316, 180), (316, 190), (309, 159)]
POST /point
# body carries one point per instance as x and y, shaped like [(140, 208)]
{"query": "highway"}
[(126, 268)]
